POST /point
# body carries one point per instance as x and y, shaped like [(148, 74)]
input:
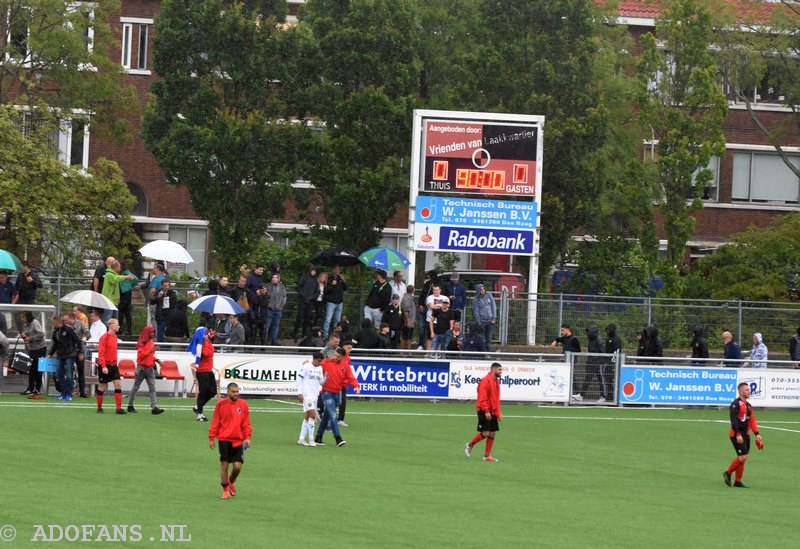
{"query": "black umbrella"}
[(331, 257)]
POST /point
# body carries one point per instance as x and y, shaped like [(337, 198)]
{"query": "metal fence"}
[(674, 318)]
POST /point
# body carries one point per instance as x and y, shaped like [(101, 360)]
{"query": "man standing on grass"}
[(742, 420), (309, 384), (231, 425), (204, 372), (488, 406), (107, 363), (339, 375)]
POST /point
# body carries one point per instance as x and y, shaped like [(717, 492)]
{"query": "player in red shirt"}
[(204, 372), (107, 364), (339, 375), (742, 421), (231, 425), (488, 406)]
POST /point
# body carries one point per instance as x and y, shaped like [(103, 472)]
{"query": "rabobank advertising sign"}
[(414, 378), (642, 384), (432, 237)]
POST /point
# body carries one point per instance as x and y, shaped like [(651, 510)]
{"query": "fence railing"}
[(674, 318)]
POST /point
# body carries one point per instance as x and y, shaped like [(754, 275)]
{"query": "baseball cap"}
[(395, 296), (445, 300)]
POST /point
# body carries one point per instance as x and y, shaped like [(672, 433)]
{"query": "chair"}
[(169, 370), (127, 369)]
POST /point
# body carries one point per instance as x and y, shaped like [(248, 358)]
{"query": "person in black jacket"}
[(65, 345), (164, 300), (333, 297), (473, 340), (393, 317), (367, 336), (594, 366), (379, 297), (307, 293), (641, 343), (177, 329), (567, 340), (653, 346), (794, 348), (699, 346), (613, 346)]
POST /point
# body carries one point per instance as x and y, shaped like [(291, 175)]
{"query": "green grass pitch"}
[(567, 477)]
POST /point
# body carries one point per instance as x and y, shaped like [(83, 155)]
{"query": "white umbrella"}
[(166, 250), (216, 304), (90, 299)]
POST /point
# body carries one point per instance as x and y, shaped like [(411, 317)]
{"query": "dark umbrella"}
[(330, 257)]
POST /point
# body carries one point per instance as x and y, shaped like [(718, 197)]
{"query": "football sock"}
[(740, 472), (310, 428), (489, 444), (733, 466), (304, 430), (118, 398), (99, 396), (234, 475), (479, 437)]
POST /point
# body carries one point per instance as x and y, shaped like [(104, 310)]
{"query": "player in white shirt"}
[(309, 384)]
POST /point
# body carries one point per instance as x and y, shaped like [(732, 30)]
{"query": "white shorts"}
[(309, 404)]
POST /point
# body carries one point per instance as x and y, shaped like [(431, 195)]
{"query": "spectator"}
[(157, 274), (641, 343), (32, 334), (222, 327), (165, 300), (313, 339), (240, 295), (223, 288), (80, 315), (5, 355), (177, 330), (96, 328), (236, 333), (100, 273), (568, 341), (653, 346), (329, 350), (213, 289), (274, 268), (732, 351), (456, 337), (111, 289), (393, 317), (794, 348), (319, 302), (126, 301), (613, 347), (457, 293), (473, 339), (342, 328), (254, 280), (397, 284), (759, 352), (259, 306), (432, 303), (379, 297), (485, 311), (27, 284), (408, 310), (8, 292), (82, 331), (699, 346), (594, 366), (422, 309), (64, 344), (335, 287), (440, 325), (276, 292), (307, 293), (367, 337), (384, 336)]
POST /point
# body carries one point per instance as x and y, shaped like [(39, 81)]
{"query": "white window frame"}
[(125, 56), (764, 151), (141, 53), (129, 24)]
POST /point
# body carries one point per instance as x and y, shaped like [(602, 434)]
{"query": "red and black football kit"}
[(743, 420)]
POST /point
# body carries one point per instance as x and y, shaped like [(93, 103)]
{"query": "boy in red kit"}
[(145, 359), (742, 420), (231, 425), (488, 406), (206, 382), (339, 375), (107, 363)]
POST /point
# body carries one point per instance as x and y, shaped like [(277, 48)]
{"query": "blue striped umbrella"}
[(384, 258), (217, 305)]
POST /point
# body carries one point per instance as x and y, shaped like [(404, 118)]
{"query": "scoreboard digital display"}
[(479, 157)]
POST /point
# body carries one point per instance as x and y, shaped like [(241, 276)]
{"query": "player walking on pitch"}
[(742, 421), (231, 425), (488, 406), (107, 363), (309, 384)]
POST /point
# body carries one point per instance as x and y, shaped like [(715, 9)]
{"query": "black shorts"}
[(487, 425), (230, 453), (741, 449), (406, 333), (113, 373)]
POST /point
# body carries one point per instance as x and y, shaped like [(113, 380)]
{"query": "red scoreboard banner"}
[(479, 157)]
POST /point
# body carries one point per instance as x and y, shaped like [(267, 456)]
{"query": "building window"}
[(141, 206), (709, 192), (195, 240), (763, 177), (78, 142), (127, 30), (67, 140), (143, 32)]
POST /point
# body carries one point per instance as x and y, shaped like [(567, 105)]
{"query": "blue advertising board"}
[(414, 378), (476, 212), (670, 385)]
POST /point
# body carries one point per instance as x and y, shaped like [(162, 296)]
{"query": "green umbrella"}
[(384, 258), (9, 262)]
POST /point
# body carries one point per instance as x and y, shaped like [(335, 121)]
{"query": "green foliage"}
[(359, 76), (760, 264), (216, 126), (681, 100)]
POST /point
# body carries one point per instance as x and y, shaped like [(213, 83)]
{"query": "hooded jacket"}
[(595, 344), (473, 340), (699, 345), (794, 346), (759, 352), (613, 342), (653, 345), (483, 306)]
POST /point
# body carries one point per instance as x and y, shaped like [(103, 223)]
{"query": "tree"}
[(681, 99), (538, 58), (360, 75), (57, 80), (217, 124), (759, 264)]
